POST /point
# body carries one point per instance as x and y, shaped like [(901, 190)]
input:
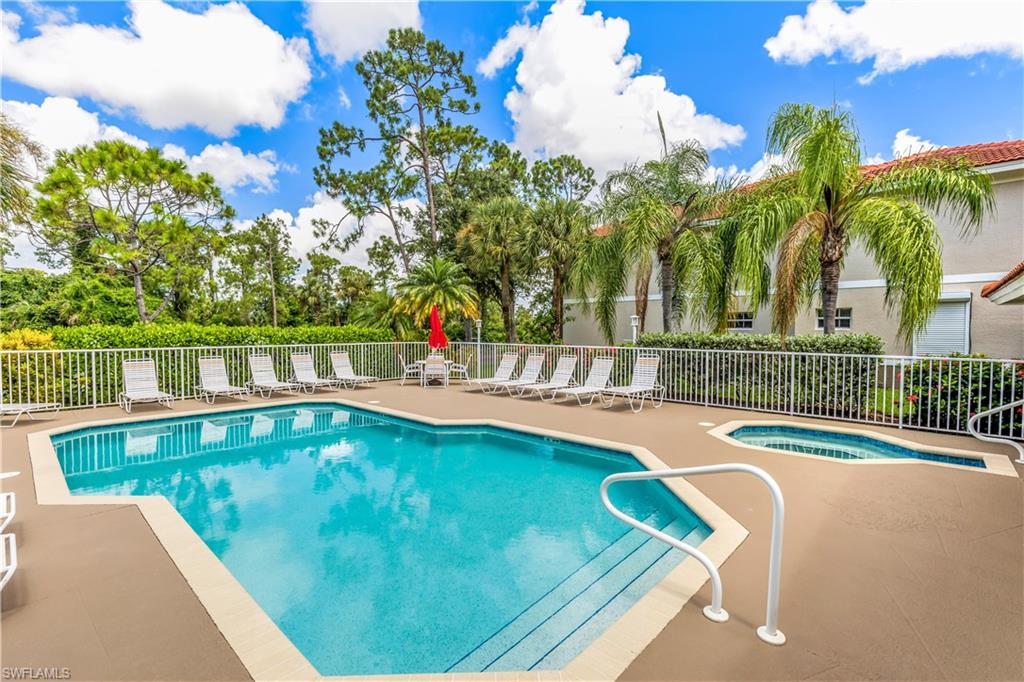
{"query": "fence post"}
[(900, 424), (479, 331), (792, 384), (92, 381)]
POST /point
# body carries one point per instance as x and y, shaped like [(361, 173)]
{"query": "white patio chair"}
[(410, 370), (596, 381), (264, 378), (19, 409), (530, 375), (506, 370), (8, 503), (344, 373), (434, 369), (304, 374), (8, 558), (643, 386), (562, 377), (140, 385), (460, 370), (213, 380)]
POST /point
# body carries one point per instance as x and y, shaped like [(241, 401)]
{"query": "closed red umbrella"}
[(437, 338)]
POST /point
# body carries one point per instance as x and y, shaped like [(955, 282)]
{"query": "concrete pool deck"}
[(901, 572)]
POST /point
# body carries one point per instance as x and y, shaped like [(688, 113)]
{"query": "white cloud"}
[(758, 170), (898, 35), (578, 92), (218, 69), (345, 30), (230, 166), (906, 143), (343, 99), (60, 123)]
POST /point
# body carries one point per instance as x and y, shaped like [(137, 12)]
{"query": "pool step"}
[(552, 628)]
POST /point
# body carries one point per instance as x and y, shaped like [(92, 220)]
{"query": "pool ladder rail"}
[(769, 632), (973, 422)]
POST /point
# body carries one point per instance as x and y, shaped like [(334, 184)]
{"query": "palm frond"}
[(797, 270)]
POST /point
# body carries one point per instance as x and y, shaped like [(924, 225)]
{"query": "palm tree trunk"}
[(643, 285), (507, 310), (668, 292), (557, 302), (831, 265)]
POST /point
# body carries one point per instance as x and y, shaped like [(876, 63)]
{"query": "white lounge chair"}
[(643, 386), (8, 503), (213, 380), (140, 385), (8, 558), (597, 380), (530, 375), (562, 377), (264, 378), (434, 369), (460, 370), (304, 374), (410, 370), (506, 370), (18, 409), (341, 363)]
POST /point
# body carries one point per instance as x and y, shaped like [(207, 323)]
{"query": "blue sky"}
[(245, 97)]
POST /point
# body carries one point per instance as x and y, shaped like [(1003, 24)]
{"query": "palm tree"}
[(18, 153), (649, 207), (439, 282), (379, 309), (493, 243), (557, 229), (811, 216)]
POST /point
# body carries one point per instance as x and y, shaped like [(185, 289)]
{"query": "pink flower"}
[(912, 398)]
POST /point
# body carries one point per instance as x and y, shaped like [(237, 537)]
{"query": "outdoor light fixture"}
[(634, 321)]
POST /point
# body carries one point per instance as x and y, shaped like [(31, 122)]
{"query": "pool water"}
[(380, 545), (839, 445)]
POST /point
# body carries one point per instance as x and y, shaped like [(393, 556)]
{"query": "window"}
[(948, 329), (844, 318), (744, 320)]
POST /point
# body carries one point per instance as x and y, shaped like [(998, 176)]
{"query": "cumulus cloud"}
[(578, 92), (230, 166), (345, 30), (757, 170), (906, 143), (898, 35), (60, 123), (217, 70)]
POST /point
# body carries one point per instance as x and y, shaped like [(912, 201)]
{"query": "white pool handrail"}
[(769, 632), (972, 422)]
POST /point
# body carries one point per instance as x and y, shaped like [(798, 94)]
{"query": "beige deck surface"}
[(890, 572)]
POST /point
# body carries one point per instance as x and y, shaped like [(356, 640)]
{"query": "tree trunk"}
[(831, 264), (643, 285), (557, 302), (140, 296), (507, 306), (273, 291), (668, 291), (427, 180)]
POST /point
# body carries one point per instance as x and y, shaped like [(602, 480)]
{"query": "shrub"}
[(945, 393), (866, 344), (826, 385), (181, 335), (26, 339)]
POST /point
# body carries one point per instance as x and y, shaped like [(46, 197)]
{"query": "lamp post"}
[(634, 322), (479, 334)]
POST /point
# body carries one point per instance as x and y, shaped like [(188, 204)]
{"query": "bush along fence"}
[(847, 383)]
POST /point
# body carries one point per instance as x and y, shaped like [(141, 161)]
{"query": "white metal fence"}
[(915, 392)]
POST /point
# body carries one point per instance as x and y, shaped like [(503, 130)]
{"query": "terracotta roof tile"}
[(987, 154), (992, 287)]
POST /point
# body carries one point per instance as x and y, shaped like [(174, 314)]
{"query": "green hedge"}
[(182, 335), (826, 385), (866, 344)]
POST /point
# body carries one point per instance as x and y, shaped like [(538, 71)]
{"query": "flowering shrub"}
[(945, 393)]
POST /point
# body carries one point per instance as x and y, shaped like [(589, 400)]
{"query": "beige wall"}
[(968, 263)]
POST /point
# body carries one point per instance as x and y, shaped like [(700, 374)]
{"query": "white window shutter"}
[(947, 330)]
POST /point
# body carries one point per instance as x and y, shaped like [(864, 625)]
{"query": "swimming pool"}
[(380, 545), (839, 445)]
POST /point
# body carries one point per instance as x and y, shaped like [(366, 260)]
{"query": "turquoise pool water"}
[(839, 445), (380, 545)]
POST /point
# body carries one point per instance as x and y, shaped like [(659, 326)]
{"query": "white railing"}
[(932, 393), (972, 428), (769, 632)]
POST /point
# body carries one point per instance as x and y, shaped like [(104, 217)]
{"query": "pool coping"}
[(268, 654), (999, 465)]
